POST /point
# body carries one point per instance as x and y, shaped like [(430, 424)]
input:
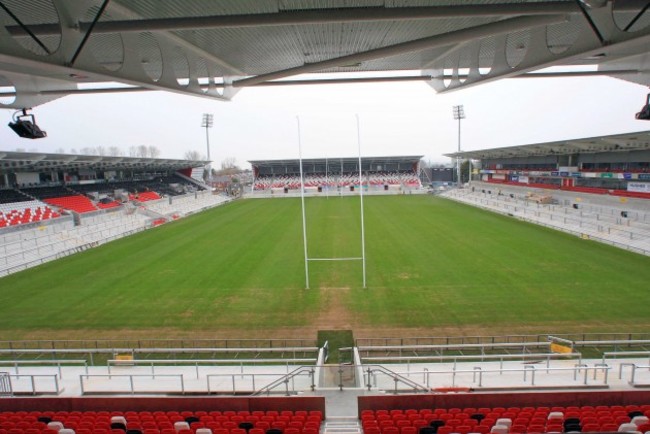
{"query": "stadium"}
[(360, 295)]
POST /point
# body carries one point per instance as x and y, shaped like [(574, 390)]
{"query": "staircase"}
[(196, 178), (341, 425)]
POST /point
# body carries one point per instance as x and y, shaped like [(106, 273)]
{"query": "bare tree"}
[(59, 151), (154, 152), (229, 163), (133, 151), (141, 151), (228, 167), (194, 155), (73, 151), (20, 149), (114, 151), (101, 150), (87, 150)]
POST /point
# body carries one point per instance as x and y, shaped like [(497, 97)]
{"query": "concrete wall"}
[(164, 403)]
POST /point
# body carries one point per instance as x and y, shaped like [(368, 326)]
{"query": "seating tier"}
[(511, 420)]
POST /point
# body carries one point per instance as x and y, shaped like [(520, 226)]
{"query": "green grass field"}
[(434, 267)]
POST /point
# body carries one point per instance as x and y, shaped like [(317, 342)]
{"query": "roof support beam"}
[(88, 33), (316, 16), (24, 28), (348, 80), (436, 41)]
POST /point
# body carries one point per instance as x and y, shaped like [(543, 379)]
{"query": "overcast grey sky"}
[(396, 119)]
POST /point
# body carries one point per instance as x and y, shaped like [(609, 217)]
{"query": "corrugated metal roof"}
[(636, 141), (37, 161)]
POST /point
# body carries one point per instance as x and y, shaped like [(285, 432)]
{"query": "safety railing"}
[(529, 375), (130, 385), (197, 363), (17, 364), (372, 372), (5, 384), (286, 384), (370, 377), (501, 358), (619, 340), (286, 379), (100, 353), (34, 384), (481, 348), (300, 379), (634, 368), (625, 354), (111, 344)]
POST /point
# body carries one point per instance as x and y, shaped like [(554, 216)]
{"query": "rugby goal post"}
[(304, 219)]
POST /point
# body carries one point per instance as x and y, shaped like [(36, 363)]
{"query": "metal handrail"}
[(615, 342), (453, 346), (111, 344), (615, 337), (625, 353), (32, 378), (397, 378), (482, 357), (16, 364), (196, 362), (526, 370), (90, 352), (130, 377), (285, 380), (242, 376), (158, 350)]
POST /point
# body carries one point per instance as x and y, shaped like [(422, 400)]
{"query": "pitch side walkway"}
[(619, 374)]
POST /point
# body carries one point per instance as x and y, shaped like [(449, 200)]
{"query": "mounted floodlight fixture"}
[(25, 126), (459, 113), (644, 114), (207, 122)]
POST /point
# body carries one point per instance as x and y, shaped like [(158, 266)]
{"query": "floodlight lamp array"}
[(25, 125), (644, 114)]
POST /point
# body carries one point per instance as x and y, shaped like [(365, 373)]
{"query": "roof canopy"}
[(40, 162), (639, 140), (213, 48)]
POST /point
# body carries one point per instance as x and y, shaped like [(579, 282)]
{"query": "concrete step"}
[(342, 425)]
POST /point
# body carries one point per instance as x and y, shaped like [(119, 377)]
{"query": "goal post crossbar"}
[(335, 259)]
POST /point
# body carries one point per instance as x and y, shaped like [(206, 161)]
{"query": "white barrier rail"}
[(528, 372), (616, 354), (17, 364), (633, 373), (34, 384), (262, 380), (489, 357), (206, 362), (153, 387)]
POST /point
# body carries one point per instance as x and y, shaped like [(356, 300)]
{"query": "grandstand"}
[(327, 175), (54, 205), (616, 165), (595, 187)]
